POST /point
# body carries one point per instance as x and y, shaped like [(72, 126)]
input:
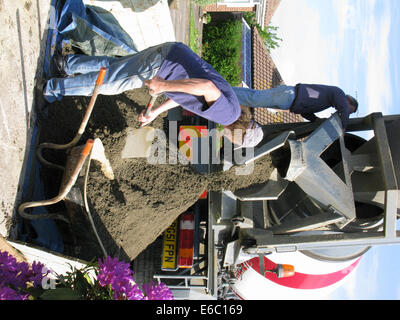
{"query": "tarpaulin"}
[(93, 30)]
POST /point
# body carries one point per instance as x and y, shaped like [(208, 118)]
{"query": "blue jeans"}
[(122, 74), (280, 97)]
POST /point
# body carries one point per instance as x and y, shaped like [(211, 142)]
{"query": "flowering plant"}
[(16, 278), (112, 280)]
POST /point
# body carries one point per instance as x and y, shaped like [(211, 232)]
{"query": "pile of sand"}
[(132, 210)]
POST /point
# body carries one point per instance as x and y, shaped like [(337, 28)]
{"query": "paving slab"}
[(22, 43), (180, 15)]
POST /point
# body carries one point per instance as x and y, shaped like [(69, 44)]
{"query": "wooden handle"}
[(101, 76), (150, 105), (89, 109)]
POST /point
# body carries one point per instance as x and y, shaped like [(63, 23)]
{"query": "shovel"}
[(138, 141)]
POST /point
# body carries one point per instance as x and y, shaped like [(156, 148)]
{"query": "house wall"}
[(270, 8), (272, 5)]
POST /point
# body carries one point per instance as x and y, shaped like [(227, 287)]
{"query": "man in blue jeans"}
[(304, 99), (170, 68)]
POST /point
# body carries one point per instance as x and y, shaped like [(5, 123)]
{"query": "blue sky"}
[(353, 44)]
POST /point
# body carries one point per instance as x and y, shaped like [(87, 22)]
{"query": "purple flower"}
[(119, 277), (17, 274), (12, 272), (38, 272), (10, 294), (157, 292), (134, 292)]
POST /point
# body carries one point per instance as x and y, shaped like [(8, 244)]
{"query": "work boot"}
[(58, 61)]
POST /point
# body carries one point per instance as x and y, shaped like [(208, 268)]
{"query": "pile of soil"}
[(132, 210)]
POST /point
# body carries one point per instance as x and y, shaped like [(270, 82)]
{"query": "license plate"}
[(170, 243)]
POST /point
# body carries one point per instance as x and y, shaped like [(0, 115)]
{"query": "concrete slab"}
[(22, 43), (180, 14)]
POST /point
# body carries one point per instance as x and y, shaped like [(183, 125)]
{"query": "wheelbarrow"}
[(76, 159)]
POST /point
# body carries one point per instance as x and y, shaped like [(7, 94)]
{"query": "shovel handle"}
[(150, 105), (101, 76)]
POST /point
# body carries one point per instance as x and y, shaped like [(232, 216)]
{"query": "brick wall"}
[(265, 72), (223, 8), (266, 76), (271, 7)]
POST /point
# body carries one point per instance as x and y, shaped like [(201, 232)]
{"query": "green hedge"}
[(222, 49)]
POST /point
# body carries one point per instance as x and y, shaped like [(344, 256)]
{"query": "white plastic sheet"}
[(148, 22)]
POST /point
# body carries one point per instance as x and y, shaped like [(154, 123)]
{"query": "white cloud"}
[(310, 54), (362, 282), (374, 48), (371, 55), (346, 13), (397, 297), (305, 54)]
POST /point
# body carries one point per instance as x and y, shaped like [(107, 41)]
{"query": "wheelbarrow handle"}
[(101, 76), (89, 109), (81, 130)]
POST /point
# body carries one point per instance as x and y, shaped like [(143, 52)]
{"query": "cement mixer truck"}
[(331, 196)]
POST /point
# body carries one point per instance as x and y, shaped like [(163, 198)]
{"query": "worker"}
[(304, 99), (170, 68)]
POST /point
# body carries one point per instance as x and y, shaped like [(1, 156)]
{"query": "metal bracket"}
[(315, 177)]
